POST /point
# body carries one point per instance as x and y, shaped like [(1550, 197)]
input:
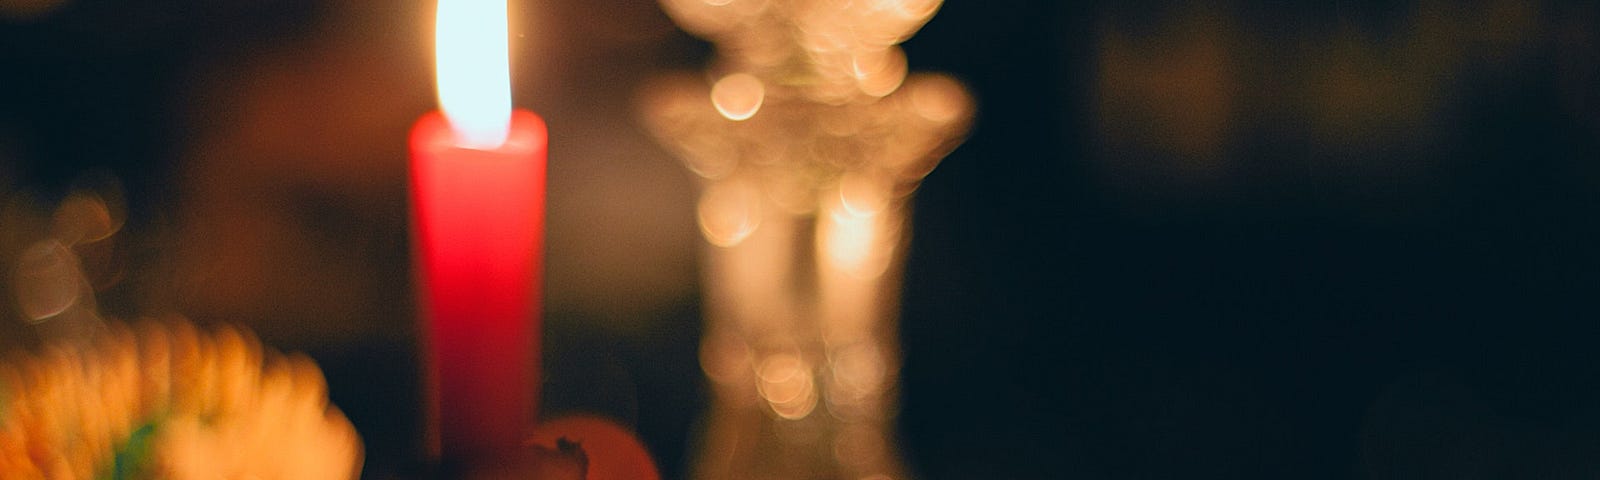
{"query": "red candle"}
[(477, 193)]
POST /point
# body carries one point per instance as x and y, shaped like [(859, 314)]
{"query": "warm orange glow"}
[(879, 72), (859, 373), (815, 137), (729, 212), (614, 453), (753, 290), (224, 405), (787, 385), (864, 194), (858, 246), (725, 358), (48, 281), (472, 61), (739, 96)]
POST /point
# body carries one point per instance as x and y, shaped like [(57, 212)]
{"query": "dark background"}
[(1344, 240)]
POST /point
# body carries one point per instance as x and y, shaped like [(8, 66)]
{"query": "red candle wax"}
[(478, 219)]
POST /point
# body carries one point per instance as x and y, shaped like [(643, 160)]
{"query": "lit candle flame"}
[(472, 61)]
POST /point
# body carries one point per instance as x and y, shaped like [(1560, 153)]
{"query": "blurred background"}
[(1350, 239)]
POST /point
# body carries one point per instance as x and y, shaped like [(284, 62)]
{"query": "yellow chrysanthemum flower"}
[(165, 400)]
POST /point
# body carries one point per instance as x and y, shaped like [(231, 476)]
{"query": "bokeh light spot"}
[(47, 281), (880, 73), (938, 98), (729, 212), (787, 385), (739, 96), (864, 194)]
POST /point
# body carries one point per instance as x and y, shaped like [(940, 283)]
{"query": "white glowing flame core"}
[(472, 60)]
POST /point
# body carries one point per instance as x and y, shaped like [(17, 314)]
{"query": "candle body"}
[(478, 226)]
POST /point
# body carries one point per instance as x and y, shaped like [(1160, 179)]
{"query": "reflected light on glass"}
[(738, 96), (709, 158), (712, 18), (47, 280), (844, 134), (910, 9), (793, 194), (849, 241), (786, 384), (751, 291), (85, 217), (858, 445), (881, 72), (939, 98), (858, 377), (729, 211), (864, 194), (858, 246)]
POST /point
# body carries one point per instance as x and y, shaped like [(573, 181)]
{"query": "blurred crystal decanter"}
[(808, 137)]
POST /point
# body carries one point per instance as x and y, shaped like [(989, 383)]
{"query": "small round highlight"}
[(47, 280), (85, 217), (729, 212), (939, 98), (859, 372), (738, 96), (880, 72), (786, 384)]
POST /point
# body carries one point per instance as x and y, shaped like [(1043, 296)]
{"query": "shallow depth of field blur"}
[(1332, 240)]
